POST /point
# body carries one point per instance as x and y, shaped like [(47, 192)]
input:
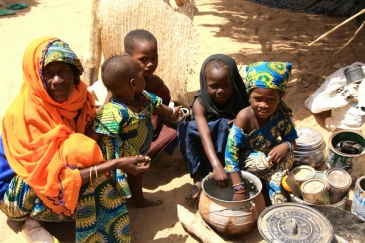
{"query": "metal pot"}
[(231, 217), (310, 149), (354, 74)]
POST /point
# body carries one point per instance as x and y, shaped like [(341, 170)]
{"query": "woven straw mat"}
[(173, 28)]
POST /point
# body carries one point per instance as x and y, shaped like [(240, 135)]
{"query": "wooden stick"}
[(357, 31), (337, 26), (197, 226)]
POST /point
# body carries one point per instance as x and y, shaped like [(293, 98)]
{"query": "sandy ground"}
[(244, 30)]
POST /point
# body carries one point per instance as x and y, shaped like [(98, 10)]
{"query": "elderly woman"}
[(49, 169)]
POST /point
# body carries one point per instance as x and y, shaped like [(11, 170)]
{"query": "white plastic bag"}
[(326, 96), (347, 117)]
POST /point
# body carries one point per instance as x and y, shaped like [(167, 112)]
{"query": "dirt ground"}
[(244, 30)]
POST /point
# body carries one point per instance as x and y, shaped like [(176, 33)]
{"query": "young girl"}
[(263, 136), (142, 46), (123, 126), (202, 141)]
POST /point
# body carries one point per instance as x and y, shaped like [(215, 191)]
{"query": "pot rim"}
[(345, 173), (252, 178), (311, 180), (340, 153)]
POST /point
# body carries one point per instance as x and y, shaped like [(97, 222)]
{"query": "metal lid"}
[(293, 222), (303, 172), (338, 177), (313, 186), (308, 138)]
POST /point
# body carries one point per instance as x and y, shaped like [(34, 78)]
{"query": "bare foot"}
[(33, 231), (147, 203), (194, 191)]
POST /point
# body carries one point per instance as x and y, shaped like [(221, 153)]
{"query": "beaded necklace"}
[(140, 103)]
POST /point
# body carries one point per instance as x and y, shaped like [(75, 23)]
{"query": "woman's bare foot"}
[(194, 191), (33, 231), (147, 203)]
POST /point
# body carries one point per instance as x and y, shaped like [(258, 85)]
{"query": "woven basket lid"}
[(293, 222)]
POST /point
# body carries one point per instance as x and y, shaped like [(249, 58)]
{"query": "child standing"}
[(142, 46), (123, 126), (262, 137), (202, 141)]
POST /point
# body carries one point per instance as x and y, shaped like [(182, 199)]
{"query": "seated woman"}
[(51, 171)]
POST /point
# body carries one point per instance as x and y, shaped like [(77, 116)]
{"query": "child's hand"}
[(177, 112), (229, 123), (220, 177), (278, 153)]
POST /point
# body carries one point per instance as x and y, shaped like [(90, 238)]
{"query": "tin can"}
[(353, 163), (303, 173), (313, 191), (339, 181), (358, 202)]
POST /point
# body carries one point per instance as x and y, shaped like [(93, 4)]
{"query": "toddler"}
[(123, 126)]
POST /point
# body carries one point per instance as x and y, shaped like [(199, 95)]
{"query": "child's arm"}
[(219, 174), (164, 110), (242, 121)]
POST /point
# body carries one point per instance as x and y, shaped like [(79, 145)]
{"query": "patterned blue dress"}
[(242, 148)]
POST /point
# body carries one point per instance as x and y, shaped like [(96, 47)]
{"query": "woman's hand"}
[(220, 177), (278, 153)]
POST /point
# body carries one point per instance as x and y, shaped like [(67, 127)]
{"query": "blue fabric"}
[(6, 173), (191, 147), (339, 8)]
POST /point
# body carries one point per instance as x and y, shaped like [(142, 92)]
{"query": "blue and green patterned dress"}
[(242, 147)]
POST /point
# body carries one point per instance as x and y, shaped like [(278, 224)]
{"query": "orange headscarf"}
[(44, 140)]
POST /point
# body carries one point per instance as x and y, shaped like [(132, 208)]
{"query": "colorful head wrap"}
[(42, 137), (59, 51), (268, 75)]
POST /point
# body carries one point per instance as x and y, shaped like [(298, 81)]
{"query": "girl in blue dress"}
[(263, 136)]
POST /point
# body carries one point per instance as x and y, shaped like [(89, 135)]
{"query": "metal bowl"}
[(354, 74)]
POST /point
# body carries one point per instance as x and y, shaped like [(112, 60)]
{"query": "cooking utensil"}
[(292, 183)]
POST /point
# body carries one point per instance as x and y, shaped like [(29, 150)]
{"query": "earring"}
[(133, 89)]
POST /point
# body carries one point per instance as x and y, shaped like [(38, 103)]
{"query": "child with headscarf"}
[(262, 137), (202, 141)]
